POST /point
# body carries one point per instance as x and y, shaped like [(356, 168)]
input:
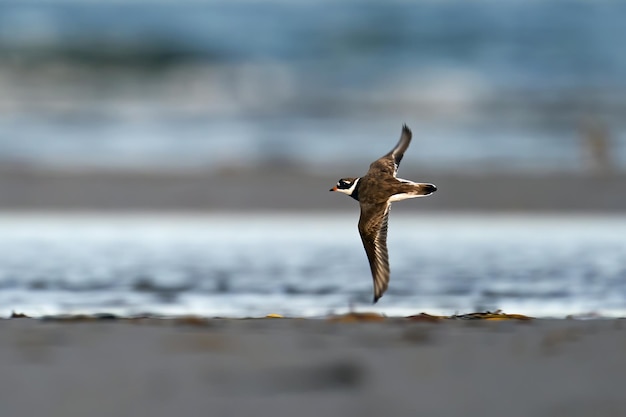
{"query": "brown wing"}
[(373, 231), (389, 163)]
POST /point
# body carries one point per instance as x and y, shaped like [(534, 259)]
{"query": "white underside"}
[(405, 196)]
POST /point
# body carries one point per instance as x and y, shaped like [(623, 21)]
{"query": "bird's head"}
[(346, 186)]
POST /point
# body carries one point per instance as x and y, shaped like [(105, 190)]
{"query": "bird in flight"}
[(375, 191)]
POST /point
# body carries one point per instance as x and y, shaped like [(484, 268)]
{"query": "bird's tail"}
[(413, 190), (422, 188)]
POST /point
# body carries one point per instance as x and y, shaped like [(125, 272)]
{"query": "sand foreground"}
[(309, 367)]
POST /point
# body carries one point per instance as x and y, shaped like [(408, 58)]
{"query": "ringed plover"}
[(375, 191)]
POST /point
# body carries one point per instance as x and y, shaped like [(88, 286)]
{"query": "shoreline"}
[(267, 190), (364, 315)]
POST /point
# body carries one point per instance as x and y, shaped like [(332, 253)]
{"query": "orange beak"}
[(333, 189)]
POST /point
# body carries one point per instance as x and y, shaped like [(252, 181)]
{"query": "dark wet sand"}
[(297, 367), (37, 189)]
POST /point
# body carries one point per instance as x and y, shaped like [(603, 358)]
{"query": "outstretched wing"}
[(389, 163), (373, 231)]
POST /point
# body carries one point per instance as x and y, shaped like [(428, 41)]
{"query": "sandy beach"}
[(312, 367)]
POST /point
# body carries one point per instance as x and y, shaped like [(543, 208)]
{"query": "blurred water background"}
[(311, 265), (259, 106), (174, 84)]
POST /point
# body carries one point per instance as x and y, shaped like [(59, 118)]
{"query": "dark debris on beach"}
[(351, 317)]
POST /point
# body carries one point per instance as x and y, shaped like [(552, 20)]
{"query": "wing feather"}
[(389, 163), (403, 144), (373, 230)]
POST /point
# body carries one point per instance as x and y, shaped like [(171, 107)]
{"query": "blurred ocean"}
[(485, 84), (310, 265)]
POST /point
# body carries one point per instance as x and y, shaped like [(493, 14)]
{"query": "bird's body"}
[(375, 191)]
